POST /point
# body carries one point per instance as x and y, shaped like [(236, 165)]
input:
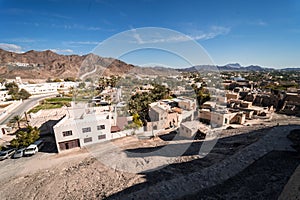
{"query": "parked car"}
[(31, 150), (39, 143), (34, 148), (19, 153), (6, 154)]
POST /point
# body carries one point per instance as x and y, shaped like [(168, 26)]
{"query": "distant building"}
[(4, 95), (45, 88), (232, 95)]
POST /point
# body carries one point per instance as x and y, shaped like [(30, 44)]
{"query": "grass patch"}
[(51, 103)]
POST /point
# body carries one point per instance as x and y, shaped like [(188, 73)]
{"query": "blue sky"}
[(261, 32)]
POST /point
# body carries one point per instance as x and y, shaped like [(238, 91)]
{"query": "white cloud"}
[(258, 23), (81, 27), (261, 23), (23, 40), (62, 50), (11, 47), (83, 42), (213, 32)]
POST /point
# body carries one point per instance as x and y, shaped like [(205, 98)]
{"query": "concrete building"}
[(4, 95), (232, 95), (162, 116), (186, 103), (191, 128), (45, 88), (218, 119), (83, 126)]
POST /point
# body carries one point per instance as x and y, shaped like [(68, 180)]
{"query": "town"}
[(64, 129), (75, 113)]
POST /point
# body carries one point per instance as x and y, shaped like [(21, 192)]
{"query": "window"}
[(87, 129), (101, 137), (100, 127), (86, 140), (67, 133)]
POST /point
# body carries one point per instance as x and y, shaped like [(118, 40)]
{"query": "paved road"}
[(25, 106)]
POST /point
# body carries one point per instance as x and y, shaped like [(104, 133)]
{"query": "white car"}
[(31, 150)]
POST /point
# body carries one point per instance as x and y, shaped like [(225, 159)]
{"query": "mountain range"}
[(48, 64)]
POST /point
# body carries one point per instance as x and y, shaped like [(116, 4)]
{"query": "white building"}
[(4, 95), (83, 126), (45, 88)]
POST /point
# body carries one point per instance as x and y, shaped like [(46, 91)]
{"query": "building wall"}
[(185, 131), (44, 88), (232, 96), (4, 95), (92, 134), (187, 104), (172, 120), (220, 119)]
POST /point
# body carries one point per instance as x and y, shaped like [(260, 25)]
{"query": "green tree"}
[(23, 94), (136, 120), (81, 85), (13, 90), (25, 138), (16, 120), (12, 87), (159, 92), (202, 95), (72, 79)]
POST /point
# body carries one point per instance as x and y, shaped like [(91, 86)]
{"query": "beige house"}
[(218, 119), (186, 104), (190, 128), (162, 117), (232, 95)]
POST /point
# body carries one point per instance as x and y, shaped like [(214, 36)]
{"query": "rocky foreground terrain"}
[(255, 162)]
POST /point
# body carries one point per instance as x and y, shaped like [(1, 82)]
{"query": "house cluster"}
[(37, 88), (107, 96), (85, 125), (20, 64), (170, 113)]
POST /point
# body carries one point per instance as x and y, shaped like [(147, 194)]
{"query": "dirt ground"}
[(265, 179), (78, 173)]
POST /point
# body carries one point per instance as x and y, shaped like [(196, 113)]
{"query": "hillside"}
[(45, 64)]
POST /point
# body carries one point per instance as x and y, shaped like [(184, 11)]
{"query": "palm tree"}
[(16, 119)]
